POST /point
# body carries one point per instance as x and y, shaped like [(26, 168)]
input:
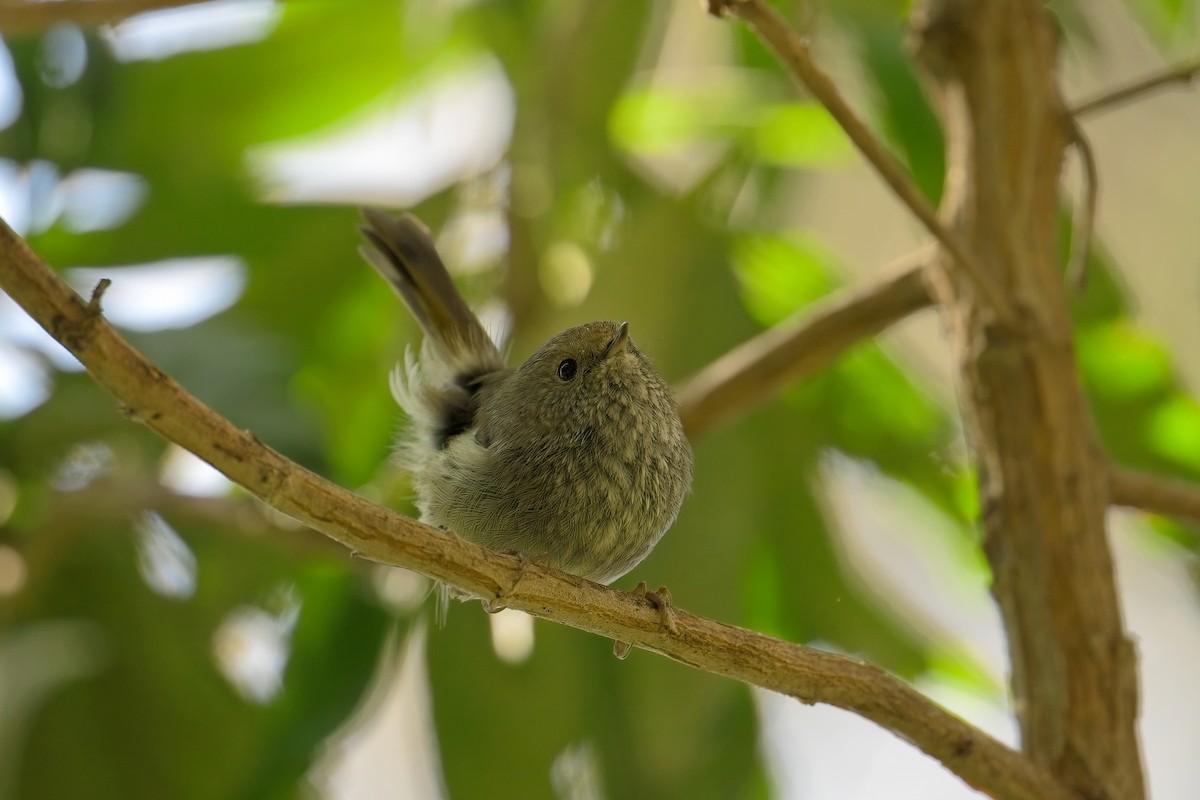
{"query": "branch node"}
[(138, 415), (93, 305)]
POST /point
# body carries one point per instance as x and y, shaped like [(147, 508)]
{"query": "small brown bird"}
[(577, 457)]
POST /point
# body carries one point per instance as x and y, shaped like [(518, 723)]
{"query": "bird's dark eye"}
[(566, 369)]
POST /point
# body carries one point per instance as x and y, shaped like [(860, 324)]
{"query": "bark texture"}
[(1043, 481)]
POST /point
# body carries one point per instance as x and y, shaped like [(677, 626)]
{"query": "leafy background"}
[(163, 636)]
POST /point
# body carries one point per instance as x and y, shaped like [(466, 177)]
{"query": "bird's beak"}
[(618, 342)]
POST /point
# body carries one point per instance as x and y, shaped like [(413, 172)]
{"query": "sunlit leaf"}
[(965, 491), (1167, 20), (1174, 430), (654, 121), (797, 135), (963, 671), (779, 276), (1121, 361), (885, 398)]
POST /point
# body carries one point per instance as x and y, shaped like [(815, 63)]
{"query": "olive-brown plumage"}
[(577, 457)]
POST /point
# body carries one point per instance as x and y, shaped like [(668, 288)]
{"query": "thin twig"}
[(1154, 493), (1184, 73), (793, 51), (1084, 227), (97, 293), (756, 369), (382, 535)]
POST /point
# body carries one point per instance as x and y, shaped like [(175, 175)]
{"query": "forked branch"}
[(792, 49), (811, 676)]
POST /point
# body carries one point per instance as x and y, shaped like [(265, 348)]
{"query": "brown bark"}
[(1043, 482)]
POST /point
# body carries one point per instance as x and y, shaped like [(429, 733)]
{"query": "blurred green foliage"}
[(124, 697)]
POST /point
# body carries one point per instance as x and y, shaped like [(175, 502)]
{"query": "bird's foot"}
[(659, 599), (498, 603)]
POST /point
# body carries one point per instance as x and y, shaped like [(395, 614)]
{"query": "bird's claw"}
[(660, 599), (497, 604)]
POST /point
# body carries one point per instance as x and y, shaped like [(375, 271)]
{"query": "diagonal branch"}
[(757, 369), (811, 676), (1154, 493), (793, 51), (17, 17), (1184, 73)]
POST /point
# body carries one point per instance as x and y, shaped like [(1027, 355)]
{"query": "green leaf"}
[(1123, 362), (780, 275), (796, 134), (1169, 21), (1174, 431), (345, 379), (655, 120)]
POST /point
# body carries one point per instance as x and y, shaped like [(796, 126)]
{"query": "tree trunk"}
[(1042, 478)]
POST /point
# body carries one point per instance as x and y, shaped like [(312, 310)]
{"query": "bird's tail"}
[(402, 251)]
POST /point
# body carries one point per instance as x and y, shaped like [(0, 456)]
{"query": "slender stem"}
[(1183, 73), (1154, 493), (793, 51), (757, 369)]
